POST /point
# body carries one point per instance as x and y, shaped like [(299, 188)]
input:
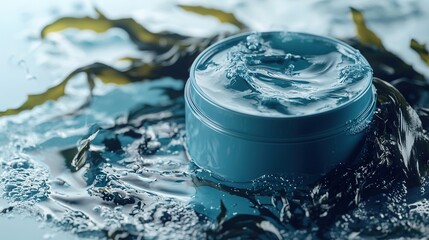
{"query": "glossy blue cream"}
[(277, 102)]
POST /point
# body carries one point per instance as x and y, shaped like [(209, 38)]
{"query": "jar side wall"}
[(241, 160)]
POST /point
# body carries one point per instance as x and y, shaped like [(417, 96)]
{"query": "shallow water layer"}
[(127, 177), (131, 178), (274, 74)]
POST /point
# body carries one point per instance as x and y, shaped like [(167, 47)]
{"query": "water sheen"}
[(283, 74)]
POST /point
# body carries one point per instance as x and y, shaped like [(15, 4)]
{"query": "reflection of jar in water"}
[(275, 103)]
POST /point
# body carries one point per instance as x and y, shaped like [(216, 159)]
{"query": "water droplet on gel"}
[(253, 42)]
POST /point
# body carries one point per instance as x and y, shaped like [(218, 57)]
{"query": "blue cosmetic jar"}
[(277, 102)]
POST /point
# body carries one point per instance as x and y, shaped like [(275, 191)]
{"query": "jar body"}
[(240, 159), (277, 103)]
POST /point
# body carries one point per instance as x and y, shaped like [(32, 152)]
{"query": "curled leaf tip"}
[(421, 50), (354, 9), (99, 13), (365, 35)]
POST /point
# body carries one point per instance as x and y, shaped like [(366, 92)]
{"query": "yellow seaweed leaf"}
[(222, 16), (141, 36), (175, 54), (421, 50), (365, 35), (52, 93), (103, 72), (98, 25), (113, 76)]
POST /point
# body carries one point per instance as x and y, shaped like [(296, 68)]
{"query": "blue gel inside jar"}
[(277, 102)]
